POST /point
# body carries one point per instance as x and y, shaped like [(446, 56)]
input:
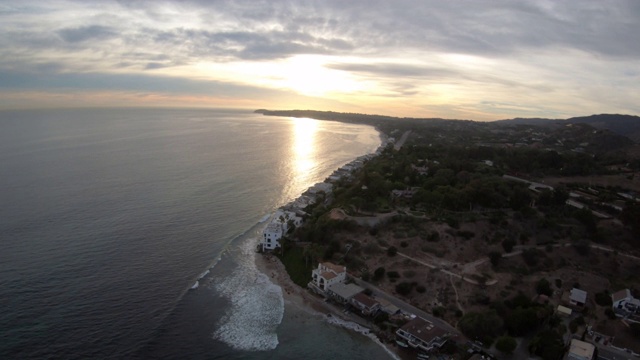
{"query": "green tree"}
[(392, 251), (482, 326), (378, 274), (508, 245), (506, 344), (495, 258), (543, 287), (548, 345)]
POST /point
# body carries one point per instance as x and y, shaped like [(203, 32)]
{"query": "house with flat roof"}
[(580, 350), (343, 293), (578, 297), (423, 335), (271, 236), (365, 303), (325, 275)]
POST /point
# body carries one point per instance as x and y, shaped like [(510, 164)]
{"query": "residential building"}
[(624, 302), (580, 350), (271, 236), (327, 274), (365, 303), (422, 334), (578, 297), (343, 293)]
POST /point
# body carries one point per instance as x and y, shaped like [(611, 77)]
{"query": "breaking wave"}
[(257, 305)]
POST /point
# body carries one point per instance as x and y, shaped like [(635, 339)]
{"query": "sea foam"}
[(257, 305)]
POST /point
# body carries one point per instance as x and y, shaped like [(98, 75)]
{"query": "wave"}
[(257, 305), (265, 218), (350, 325)]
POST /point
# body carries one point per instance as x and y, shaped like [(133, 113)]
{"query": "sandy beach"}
[(301, 298)]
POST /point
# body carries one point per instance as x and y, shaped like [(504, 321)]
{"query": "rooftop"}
[(582, 349), (578, 295), (336, 268), (620, 295), (365, 300), (345, 291), (423, 329)]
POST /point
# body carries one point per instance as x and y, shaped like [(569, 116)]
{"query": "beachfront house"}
[(343, 293), (365, 303), (271, 236), (325, 275), (422, 335), (278, 227)]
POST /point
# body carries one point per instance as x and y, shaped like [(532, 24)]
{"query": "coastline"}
[(304, 300), (312, 304)]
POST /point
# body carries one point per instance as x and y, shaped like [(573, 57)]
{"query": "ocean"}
[(110, 217)]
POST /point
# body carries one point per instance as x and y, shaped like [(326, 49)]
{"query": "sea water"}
[(130, 233)]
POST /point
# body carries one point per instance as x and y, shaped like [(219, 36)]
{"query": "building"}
[(271, 236), (624, 302), (343, 293), (277, 228), (580, 350), (325, 275), (578, 297), (563, 311), (365, 303), (422, 334)]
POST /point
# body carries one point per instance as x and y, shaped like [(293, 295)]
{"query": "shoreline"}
[(312, 304)]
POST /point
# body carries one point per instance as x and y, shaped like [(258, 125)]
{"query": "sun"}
[(309, 75)]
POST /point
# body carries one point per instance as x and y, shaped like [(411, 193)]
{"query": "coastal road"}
[(407, 308)]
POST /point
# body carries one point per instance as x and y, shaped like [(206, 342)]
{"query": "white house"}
[(326, 275), (625, 302), (271, 236), (278, 227)]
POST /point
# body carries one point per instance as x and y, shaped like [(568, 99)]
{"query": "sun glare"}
[(308, 75), (304, 154)]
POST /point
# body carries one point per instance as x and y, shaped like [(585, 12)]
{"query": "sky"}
[(478, 60)]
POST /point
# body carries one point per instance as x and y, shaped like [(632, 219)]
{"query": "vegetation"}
[(506, 344), (459, 207)]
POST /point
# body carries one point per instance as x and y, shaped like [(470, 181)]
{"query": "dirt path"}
[(455, 290)]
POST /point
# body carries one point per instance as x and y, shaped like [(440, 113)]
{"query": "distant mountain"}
[(527, 121), (626, 125)]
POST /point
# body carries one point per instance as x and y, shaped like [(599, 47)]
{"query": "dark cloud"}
[(393, 70), (11, 80), (84, 33)]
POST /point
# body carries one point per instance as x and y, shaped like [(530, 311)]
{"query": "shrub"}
[(495, 258), (603, 299), (392, 251), (543, 287), (508, 245), (393, 274), (404, 244), (506, 344), (610, 313), (421, 289), (404, 288), (409, 273), (378, 273)]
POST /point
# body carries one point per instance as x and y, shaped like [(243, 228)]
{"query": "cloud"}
[(84, 33), (481, 52)]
